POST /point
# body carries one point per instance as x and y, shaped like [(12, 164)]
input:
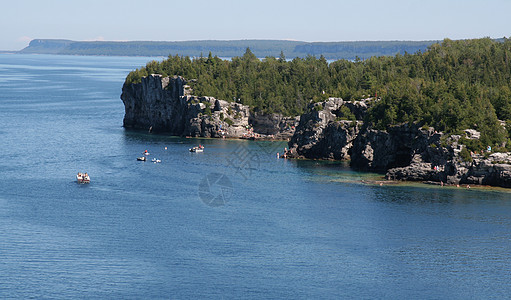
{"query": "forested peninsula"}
[(440, 113), (452, 86)]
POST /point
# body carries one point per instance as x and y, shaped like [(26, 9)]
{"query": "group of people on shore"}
[(284, 154), (488, 150)]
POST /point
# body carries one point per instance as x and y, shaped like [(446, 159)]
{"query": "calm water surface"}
[(232, 222)]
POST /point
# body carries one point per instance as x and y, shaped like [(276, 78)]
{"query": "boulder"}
[(472, 134)]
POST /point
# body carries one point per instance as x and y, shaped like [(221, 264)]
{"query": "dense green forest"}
[(261, 48), (452, 86)]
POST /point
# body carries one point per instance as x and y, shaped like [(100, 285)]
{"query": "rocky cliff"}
[(321, 134), (446, 164), (403, 152), (164, 104), (273, 124), (398, 146)]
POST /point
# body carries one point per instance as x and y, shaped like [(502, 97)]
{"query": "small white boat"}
[(142, 158), (155, 160), (146, 153), (82, 178), (197, 149)]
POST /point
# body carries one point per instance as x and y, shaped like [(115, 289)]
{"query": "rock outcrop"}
[(494, 170), (481, 171), (399, 146), (321, 134), (273, 124), (164, 104), (403, 152)]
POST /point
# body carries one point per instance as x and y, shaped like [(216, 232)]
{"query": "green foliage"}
[(136, 76), (502, 149), (472, 144), (229, 121), (318, 107), (452, 86), (444, 141), (345, 113), (465, 155)]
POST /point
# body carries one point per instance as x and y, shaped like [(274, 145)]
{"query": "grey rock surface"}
[(402, 152), (164, 104)]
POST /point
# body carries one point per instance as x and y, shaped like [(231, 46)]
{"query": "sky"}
[(311, 21)]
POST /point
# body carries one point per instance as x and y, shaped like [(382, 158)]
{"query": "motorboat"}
[(83, 178), (142, 158), (155, 160), (146, 153), (199, 148)]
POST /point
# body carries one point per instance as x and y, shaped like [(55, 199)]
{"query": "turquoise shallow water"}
[(232, 222)]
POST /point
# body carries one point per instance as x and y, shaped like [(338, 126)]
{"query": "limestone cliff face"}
[(399, 146), (273, 124), (163, 104), (403, 152), (495, 170), (155, 102), (407, 152), (322, 135)]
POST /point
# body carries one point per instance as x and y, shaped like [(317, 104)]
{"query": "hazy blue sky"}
[(313, 20)]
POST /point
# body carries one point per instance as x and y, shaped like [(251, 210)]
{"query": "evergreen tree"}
[(452, 86)]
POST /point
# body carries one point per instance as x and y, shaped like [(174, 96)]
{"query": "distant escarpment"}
[(261, 48), (403, 152), (165, 104)]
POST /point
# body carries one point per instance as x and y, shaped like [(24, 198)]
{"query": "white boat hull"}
[(82, 179)]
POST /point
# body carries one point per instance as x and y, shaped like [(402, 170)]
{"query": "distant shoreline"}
[(261, 48)]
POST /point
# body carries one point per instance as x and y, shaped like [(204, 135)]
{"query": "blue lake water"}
[(232, 222)]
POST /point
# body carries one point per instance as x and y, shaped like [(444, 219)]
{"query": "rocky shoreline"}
[(329, 130), (165, 105), (402, 152)]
